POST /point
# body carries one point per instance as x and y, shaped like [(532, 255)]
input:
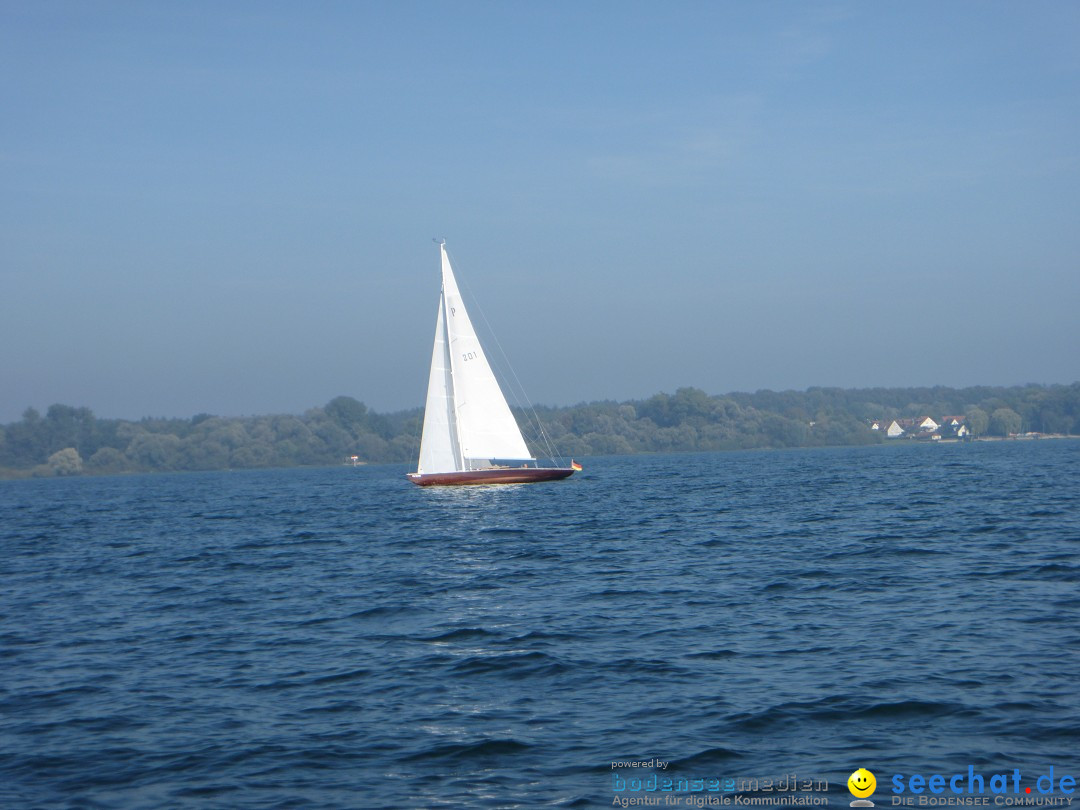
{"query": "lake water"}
[(338, 638)]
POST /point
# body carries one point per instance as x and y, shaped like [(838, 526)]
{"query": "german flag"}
[(574, 465)]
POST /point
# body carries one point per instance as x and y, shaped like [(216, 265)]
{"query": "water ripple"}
[(339, 639)]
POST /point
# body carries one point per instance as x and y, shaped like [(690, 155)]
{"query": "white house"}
[(922, 428)]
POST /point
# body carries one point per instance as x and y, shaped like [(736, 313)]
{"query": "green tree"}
[(254, 454), (347, 412), (1004, 422), (372, 448), (27, 441), (108, 460), (65, 462), (977, 421), (781, 432), (155, 451)]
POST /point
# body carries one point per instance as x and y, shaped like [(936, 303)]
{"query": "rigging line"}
[(522, 399), (527, 405)]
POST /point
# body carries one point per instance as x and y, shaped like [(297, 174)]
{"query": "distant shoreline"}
[(9, 474), (67, 441), (1025, 437)]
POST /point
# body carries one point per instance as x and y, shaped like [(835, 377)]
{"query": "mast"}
[(451, 389)]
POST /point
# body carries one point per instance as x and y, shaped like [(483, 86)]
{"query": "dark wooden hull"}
[(514, 475)]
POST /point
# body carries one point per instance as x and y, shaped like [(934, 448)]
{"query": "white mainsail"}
[(467, 423)]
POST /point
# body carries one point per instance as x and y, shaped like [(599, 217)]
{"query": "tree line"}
[(70, 440)]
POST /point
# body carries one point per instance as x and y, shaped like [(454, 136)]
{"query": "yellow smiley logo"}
[(861, 783)]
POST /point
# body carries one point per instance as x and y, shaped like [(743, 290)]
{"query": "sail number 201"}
[(470, 355)]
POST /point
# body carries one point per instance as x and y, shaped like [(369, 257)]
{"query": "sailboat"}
[(470, 436)]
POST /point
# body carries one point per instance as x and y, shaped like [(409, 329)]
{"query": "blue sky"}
[(229, 207)]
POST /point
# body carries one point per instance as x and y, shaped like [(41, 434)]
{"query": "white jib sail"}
[(481, 422), (438, 445)]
